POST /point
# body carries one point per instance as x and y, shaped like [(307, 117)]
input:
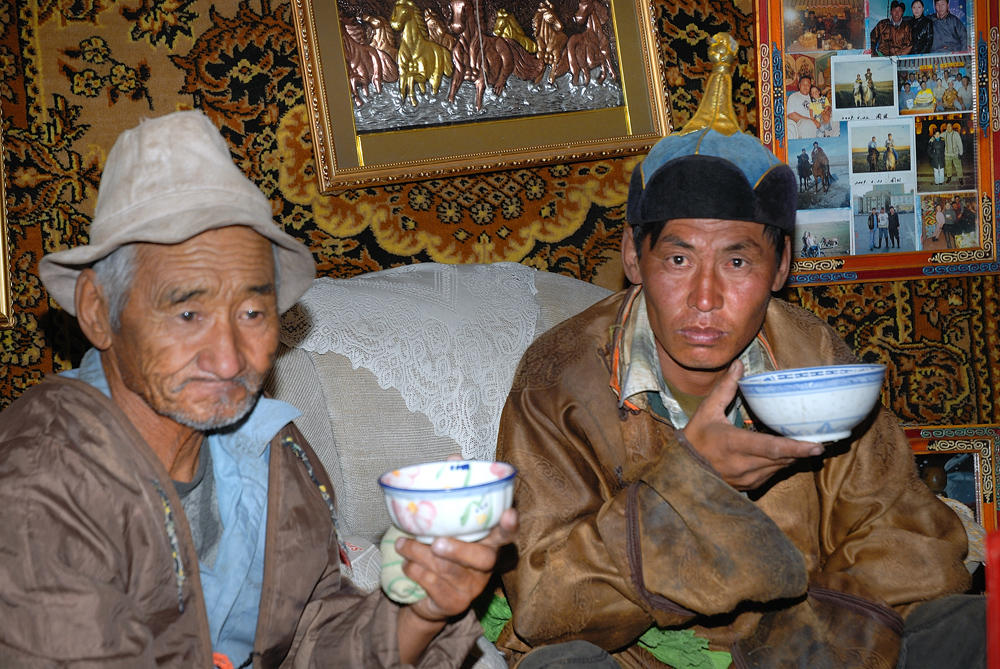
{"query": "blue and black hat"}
[(711, 169)]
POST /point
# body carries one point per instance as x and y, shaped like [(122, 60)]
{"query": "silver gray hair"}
[(116, 272)]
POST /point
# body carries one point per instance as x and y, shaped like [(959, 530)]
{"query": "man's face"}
[(896, 13), (805, 83), (200, 329), (707, 284), (941, 7)]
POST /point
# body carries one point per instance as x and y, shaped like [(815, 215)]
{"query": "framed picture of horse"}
[(6, 298), (889, 113), (401, 90)]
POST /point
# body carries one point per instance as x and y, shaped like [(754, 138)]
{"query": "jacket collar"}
[(635, 368)]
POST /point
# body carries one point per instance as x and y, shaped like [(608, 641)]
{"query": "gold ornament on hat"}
[(716, 110)]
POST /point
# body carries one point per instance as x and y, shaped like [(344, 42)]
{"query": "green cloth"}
[(493, 616), (681, 649)]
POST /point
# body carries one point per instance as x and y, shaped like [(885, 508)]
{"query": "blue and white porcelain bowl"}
[(817, 404)]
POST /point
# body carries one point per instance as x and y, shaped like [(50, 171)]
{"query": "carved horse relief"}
[(552, 40), (590, 48), (420, 60), (485, 59), (379, 34), (437, 30), (366, 65), (507, 26)]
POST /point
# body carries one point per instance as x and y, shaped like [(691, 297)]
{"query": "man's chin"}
[(223, 414)]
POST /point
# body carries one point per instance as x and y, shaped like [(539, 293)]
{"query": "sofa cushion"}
[(411, 365)]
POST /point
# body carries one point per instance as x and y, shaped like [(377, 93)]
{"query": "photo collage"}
[(880, 125)]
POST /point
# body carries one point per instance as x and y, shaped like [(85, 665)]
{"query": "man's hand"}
[(743, 458), (453, 573)]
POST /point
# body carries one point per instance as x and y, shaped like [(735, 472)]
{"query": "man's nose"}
[(222, 354), (706, 294)]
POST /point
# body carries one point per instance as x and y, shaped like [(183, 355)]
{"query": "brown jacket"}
[(88, 576), (624, 526)]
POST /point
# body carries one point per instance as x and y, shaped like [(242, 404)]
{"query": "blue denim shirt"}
[(232, 588)]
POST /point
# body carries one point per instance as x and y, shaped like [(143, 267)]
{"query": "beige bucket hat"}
[(165, 181)]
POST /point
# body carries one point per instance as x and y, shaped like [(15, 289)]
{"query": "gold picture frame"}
[(470, 140), (6, 297), (828, 43)]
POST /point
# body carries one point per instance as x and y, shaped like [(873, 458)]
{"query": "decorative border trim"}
[(826, 277), (766, 117), (779, 95), (984, 109), (994, 98)]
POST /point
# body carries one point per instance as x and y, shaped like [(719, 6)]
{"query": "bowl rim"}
[(448, 491), (849, 369)]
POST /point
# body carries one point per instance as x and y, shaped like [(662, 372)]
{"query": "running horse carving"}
[(551, 41), (590, 48), (420, 60), (366, 65), (485, 59)]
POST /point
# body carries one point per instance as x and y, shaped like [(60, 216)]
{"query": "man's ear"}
[(630, 257), (92, 310)]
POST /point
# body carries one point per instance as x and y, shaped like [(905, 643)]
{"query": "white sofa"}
[(410, 365)]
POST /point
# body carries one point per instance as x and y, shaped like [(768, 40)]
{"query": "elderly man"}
[(954, 147), (950, 34), (155, 511), (658, 524), (892, 36)]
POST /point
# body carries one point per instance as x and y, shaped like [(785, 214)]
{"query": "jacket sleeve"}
[(601, 559), (347, 627), (63, 598), (882, 527), (335, 622)]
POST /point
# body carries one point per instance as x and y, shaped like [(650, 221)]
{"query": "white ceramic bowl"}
[(815, 404), (460, 498)]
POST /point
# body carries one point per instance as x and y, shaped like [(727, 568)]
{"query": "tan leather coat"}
[(624, 525), (89, 529)]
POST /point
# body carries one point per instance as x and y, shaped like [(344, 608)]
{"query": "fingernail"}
[(817, 451), (399, 542), (439, 546)]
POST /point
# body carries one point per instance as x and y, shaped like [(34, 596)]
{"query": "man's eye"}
[(739, 262), (677, 260), (188, 315)]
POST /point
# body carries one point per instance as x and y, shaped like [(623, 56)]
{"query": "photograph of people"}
[(937, 84), (884, 219), (881, 147), (822, 168), (944, 151), (801, 123), (824, 26), (949, 221), (922, 28), (892, 36), (950, 32), (824, 233), (864, 87)]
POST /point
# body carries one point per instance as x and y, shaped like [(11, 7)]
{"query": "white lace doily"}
[(447, 337)]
